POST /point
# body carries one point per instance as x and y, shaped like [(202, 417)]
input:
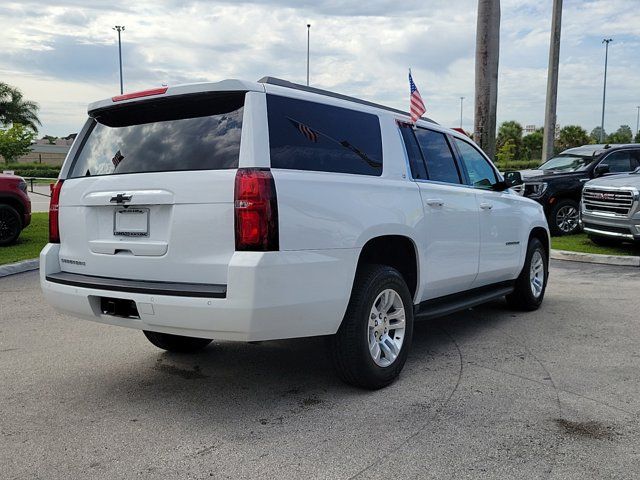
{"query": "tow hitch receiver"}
[(118, 307)]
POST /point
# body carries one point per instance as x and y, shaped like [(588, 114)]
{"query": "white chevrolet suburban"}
[(267, 210)]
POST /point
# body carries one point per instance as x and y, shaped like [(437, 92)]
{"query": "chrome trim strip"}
[(609, 234)]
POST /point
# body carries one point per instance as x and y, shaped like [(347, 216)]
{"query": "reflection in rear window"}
[(198, 132)]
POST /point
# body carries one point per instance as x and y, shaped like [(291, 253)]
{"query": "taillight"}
[(256, 210), (54, 228)]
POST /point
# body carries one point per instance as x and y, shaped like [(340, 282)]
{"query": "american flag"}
[(415, 100), (117, 158), (305, 130)]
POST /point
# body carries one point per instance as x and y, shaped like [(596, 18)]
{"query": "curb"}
[(626, 261), (19, 267)]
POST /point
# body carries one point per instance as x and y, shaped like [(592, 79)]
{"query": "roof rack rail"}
[(296, 86)]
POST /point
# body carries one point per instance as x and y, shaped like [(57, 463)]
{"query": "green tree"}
[(506, 154), (510, 130), (595, 135), (572, 136), (532, 145), (622, 135), (15, 109), (15, 142), (637, 138), (51, 139)]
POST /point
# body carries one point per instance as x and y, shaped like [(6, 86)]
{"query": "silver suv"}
[(611, 208)]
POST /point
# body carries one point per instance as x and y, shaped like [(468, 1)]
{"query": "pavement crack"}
[(431, 419)]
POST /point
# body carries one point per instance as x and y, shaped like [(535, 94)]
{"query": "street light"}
[(606, 41), (308, 37), (461, 100), (120, 28)]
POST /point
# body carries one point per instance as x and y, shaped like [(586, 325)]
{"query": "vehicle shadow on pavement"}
[(287, 377)]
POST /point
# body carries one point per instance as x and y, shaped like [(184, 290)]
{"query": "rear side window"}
[(306, 135), (416, 161), (441, 165), (196, 132)]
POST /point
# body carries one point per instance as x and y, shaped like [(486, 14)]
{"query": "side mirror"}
[(500, 186), (511, 179), (601, 169)]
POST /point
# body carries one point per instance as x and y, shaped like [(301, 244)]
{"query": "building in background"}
[(49, 150)]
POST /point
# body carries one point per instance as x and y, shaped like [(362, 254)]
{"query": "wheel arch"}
[(14, 203), (541, 234), (396, 250)]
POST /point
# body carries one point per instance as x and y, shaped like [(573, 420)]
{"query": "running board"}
[(441, 306)]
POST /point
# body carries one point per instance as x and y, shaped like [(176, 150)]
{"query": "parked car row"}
[(595, 186)]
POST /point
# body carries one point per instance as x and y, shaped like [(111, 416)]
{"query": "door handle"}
[(486, 206), (435, 202)]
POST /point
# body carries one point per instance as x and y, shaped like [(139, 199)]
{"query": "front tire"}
[(176, 343), (531, 284), (564, 218), (10, 225), (371, 346)]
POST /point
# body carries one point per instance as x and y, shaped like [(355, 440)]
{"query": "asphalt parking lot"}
[(39, 198), (489, 393)]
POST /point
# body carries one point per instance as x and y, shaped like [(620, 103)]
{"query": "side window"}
[(481, 173), (441, 166), (416, 162), (306, 135), (619, 162)]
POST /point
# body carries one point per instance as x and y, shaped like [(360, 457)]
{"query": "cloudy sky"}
[(63, 54)]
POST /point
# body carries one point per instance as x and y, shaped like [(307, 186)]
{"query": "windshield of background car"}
[(197, 132), (567, 163)]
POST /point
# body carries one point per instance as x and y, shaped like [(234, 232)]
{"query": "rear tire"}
[(367, 351), (10, 225), (176, 343), (531, 284), (564, 218)]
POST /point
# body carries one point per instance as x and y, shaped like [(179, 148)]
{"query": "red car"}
[(15, 208)]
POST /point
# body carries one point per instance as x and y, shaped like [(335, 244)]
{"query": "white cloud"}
[(63, 54)]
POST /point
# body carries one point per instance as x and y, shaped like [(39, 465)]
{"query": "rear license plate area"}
[(118, 307), (131, 222)]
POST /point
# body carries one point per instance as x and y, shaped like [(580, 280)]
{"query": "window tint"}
[(306, 135), (441, 165), (416, 162), (620, 162), (200, 132), (481, 173)]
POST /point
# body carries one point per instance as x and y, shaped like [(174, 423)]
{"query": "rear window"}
[(306, 135), (196, 132)]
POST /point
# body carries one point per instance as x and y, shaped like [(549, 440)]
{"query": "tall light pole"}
[(606, 41), (461, 100), (638, 122), (552, 83), (308, 38), (120, 28)]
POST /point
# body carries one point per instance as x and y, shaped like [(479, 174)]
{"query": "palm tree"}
[(15, 109), (486, 96)]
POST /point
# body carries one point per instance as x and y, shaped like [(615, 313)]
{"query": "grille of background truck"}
[(617, 202)]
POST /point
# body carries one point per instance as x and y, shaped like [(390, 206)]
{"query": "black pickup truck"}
[(557, 184)]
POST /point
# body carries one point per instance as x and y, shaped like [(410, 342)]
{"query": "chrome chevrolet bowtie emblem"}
[(120, 198)]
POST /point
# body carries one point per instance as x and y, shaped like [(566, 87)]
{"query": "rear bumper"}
[(269, 295)]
